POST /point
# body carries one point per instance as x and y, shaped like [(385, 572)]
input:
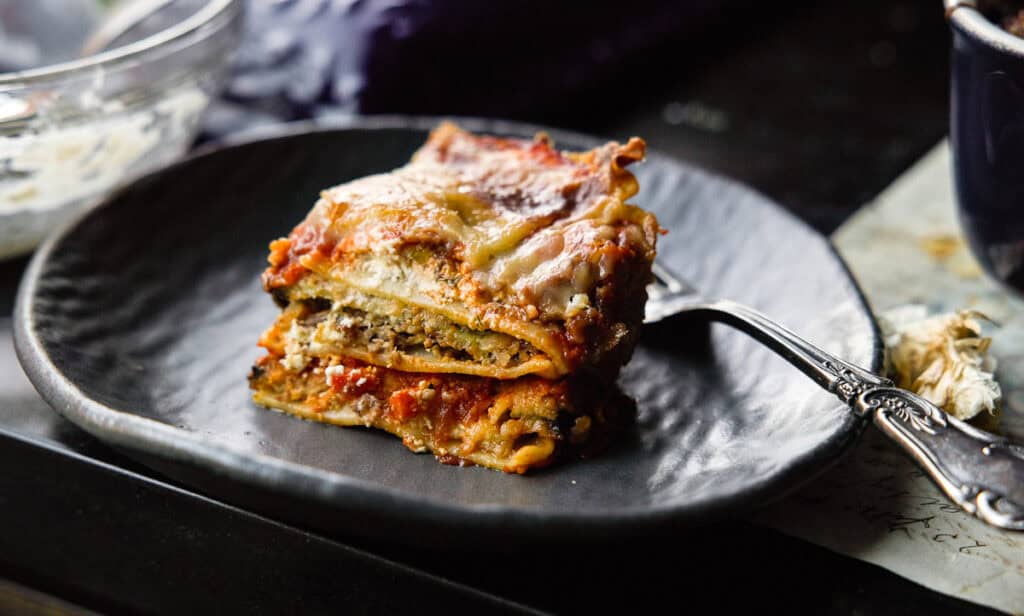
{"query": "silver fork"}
[(981, 472)]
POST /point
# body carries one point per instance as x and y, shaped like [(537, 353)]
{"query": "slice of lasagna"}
[(478, 302)]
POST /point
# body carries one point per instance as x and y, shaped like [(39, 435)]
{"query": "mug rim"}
[(965, 16)]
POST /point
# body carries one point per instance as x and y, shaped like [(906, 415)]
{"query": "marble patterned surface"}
[(906, 247)]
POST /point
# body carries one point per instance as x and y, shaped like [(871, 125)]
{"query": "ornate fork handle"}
[(983, 473)]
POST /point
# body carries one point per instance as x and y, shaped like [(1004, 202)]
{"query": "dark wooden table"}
[(820, 107)]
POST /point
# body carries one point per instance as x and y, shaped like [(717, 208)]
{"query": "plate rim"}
[(125, 429)]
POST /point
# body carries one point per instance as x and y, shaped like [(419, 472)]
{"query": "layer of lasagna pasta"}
[(509, 424), (495, 270)]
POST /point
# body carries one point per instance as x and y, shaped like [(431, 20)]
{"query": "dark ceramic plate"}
[(139, 323)]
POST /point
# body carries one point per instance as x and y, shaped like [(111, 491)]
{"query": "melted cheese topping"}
[(521, 217)]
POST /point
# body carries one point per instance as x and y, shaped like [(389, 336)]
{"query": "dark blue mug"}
[(987, 139)]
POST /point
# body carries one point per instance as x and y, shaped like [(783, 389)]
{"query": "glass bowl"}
[(72, 130)]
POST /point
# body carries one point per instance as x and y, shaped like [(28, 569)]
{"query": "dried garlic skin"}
[(942, 358)]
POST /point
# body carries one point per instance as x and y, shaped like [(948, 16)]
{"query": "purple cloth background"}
[(503, 58)]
